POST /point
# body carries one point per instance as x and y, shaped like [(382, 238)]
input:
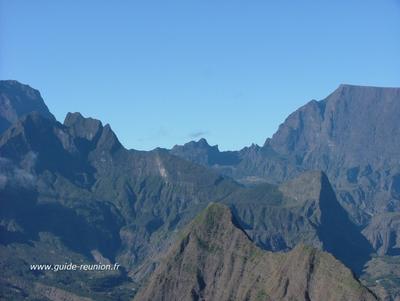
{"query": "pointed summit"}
[(215, 260), (92, 131), (79, 126), (203, 142)]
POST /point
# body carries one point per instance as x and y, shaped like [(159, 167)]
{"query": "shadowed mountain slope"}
[(303, 210), (353, 135), (72, 190), (215, 260), (136, 199)]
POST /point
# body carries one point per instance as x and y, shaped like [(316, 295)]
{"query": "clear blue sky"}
[(166, 72)]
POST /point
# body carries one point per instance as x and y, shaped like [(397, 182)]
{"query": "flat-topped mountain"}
[(215, 260)]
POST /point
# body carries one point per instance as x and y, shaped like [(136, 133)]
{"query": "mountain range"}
[(327, 181), (352, 135)]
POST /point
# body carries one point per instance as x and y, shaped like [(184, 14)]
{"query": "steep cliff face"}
[(353, 135), (215, 260), (17, 100), (302, 210), (353, 126)]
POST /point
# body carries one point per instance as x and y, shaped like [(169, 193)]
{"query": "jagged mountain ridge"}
[(215, 260), (93, 197), (126, 204), (352, 135), (82, 160)]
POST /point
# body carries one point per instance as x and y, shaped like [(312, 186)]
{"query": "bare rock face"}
[(18, 100), (81, 127), (384, 233), (353, 135), (302, 210), (215, 260), (353, 120)]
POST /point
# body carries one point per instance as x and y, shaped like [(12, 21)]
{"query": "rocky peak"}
[(215, 260), (18, 100), (203, 143), (89, 133), (200, 145), (81, 127), (334, 131), (202, 153), (108, 140)]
